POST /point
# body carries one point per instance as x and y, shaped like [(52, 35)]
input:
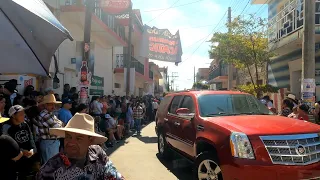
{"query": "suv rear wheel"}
[(163, 148), (207, 167)]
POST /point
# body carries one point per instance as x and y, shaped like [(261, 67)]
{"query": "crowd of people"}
[(31, 126), (291, 107)]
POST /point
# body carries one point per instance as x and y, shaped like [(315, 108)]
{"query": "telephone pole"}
[(173, 77), (86, 44), (129, 52), (308, 53), (230, 66), (194, 75)]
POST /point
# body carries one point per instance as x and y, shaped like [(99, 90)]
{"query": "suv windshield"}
[(211, 105)]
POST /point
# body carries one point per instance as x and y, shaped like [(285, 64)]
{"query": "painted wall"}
[(68, 49)]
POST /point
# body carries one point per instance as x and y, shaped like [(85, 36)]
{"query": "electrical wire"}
[(153, 10), (245, 7), (206, 38), (164, 11)]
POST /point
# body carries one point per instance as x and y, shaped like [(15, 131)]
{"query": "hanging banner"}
[(115, 7), (160, 44)]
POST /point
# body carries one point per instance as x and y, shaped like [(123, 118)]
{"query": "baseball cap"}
[(66, 101), (14, 109), (107, 116)]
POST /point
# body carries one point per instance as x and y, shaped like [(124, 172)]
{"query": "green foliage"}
[(201, 86), (251, 89), (246, 46)]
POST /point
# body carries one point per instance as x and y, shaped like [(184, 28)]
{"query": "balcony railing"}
[(107, 19), (289, 20), (122, 59)]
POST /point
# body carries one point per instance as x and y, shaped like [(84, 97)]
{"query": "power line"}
[(153, 10), (206, 38), (245, 7), (164, 11)]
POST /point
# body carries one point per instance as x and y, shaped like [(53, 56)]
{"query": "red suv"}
[(233, 136)]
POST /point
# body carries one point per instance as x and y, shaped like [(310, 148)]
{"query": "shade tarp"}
[(29, 35)]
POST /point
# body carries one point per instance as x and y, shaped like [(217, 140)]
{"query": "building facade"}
[(285, 37)]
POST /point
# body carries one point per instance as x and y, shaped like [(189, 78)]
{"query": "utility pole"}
[(230, 66), (308, 53), (129, 52), (194, 76), (173, 76), (86, 45)]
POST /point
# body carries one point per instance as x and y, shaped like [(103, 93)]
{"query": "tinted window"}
[(164, 103), (187, 102), (175, 104), (226, 104)]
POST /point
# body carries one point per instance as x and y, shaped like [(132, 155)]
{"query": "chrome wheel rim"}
[(161, 144), (209, 170)]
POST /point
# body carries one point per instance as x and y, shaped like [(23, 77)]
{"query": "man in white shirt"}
[(155, 106)]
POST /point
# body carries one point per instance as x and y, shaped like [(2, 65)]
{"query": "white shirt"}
[(269, 104)]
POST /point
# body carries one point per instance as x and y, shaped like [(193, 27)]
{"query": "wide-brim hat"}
[(80, 123), (292, 97), (50, 98), (3, 119)]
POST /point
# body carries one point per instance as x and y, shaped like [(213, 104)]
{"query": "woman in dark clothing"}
[(287, 106)]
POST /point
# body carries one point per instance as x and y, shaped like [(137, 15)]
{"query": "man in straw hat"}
[(49, 144), (82, 158)]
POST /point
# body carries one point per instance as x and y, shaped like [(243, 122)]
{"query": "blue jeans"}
[(137, 123), (48, 148)]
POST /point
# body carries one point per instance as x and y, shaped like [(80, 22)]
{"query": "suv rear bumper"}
[(243, 170)]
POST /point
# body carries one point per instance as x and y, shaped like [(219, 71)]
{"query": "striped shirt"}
[(46, 121)]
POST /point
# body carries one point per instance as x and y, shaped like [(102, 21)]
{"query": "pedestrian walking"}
[(138, 116)]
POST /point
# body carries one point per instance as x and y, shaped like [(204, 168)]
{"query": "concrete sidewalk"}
[(136, 159)]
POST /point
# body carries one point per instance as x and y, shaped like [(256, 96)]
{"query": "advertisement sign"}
[(97, 81), (84, 69), (115, 7), (160, 44), (308, 91)]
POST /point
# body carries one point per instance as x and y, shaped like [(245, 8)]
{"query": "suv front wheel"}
[(207, 167), (163, 148)]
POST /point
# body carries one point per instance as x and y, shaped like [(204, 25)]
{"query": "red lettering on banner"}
[(28, 82), (163, 48)]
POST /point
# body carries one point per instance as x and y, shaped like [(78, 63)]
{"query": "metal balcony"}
[(289, 20), (122, 59)]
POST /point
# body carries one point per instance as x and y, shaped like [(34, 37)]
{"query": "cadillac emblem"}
[(301, 150)]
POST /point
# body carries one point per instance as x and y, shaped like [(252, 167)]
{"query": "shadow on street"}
[(180, 167), (148, 140), (121, 143)]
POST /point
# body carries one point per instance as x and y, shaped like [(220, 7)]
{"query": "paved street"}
[(137, 159)]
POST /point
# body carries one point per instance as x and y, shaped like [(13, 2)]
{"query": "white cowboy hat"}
[(291, 96), (80, 123), (50, 98)]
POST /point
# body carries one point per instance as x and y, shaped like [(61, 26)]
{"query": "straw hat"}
[(3, 119), (50, 98), (80, 123)]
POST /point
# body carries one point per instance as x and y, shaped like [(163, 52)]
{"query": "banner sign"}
[(160, 44), (116, 7), (96, 92), (97, 81)]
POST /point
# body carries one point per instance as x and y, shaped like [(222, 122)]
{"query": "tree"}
[(246, 47), (200, 86)]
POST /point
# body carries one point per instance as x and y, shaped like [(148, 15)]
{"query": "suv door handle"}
[(165, 119), (200, 128), (177, 123)]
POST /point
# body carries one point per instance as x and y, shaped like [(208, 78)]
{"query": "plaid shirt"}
[(47, 120), (138, 112)]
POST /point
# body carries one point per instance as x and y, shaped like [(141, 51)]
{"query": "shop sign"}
[(96, 92), (97, 81), (116, 7)]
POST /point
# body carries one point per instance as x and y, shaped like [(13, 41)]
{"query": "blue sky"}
[(195, 22)]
